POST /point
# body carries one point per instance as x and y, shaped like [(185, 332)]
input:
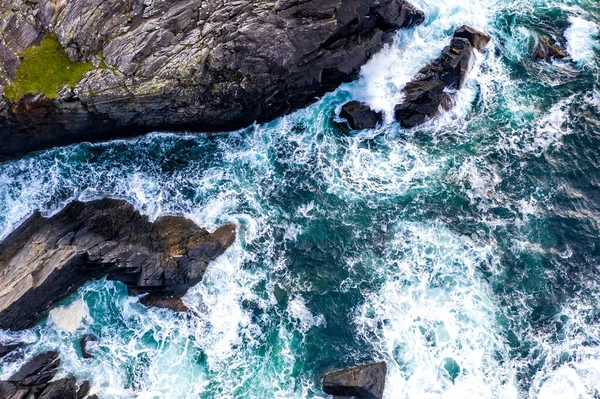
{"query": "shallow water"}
[(465, 254)]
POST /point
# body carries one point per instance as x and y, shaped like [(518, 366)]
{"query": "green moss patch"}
[(45, 69)]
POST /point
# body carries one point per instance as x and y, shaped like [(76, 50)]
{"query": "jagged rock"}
[(85, 346), (32, 378), (65, 388), (477, 39), (46, 259), (33, 381), (362, 382), (547, 49), (8, 348), (360, 115), (38, 371), (431, 91), (185, 64)]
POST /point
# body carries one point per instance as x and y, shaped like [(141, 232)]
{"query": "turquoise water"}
[(465, 254)]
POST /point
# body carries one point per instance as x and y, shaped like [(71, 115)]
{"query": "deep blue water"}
[(464, 253)]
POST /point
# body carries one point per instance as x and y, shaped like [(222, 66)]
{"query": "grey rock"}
[(6, 349), (363, 382), (32, 378), (83, 390), (360, 115), (186, 64), (432, 89), (33, 381), (46, 259), (65, 388)]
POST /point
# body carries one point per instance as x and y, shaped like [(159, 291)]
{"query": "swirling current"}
[(464, 253)]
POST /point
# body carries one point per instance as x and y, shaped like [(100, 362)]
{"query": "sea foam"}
[(582, 40)]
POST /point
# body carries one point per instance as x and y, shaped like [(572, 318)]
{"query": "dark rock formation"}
[(184, 64), (360, 115), (32, 377), (175, 304), (84, 389), (6, 349), (65, 388), (432, 88), (85, 343), (362, 382), (46, 259), (547, 49), (33, 381)]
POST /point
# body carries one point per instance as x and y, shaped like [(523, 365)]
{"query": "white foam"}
[(432, 308), (547, 133), (582, 40), (565, 382), (430, 284), (383, 77), (69, 318), (306, 320)]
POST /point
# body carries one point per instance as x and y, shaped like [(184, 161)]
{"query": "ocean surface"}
[(464, 253)]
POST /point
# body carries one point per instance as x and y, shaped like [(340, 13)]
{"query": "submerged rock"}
[(33, 380), (182, 64), (6, 349), (86, 342), (46, 259), (548, 49), (362, 382), (432, 90), (360, 115)]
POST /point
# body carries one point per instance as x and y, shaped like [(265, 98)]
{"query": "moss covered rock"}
[(45, 69)]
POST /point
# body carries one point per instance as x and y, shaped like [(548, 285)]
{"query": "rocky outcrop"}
[(6, 349), (46, 259), (432, 90), (360, 115), (362, 382), (547, 49), (86, 343), (33, 381), (184, 64)]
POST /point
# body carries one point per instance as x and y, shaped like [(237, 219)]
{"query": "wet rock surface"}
[(362, 382), (432, 89), (33, 381), (8, 349), (185, 64), (360, 115), (86, 344), (46, 259), (547, 49)]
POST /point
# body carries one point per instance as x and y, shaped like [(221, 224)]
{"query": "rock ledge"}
[(46, 259)]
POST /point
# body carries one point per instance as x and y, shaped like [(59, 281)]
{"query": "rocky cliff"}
[(109, 68), (46, 259)]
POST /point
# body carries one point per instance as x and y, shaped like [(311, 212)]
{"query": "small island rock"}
[(362, 382)]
